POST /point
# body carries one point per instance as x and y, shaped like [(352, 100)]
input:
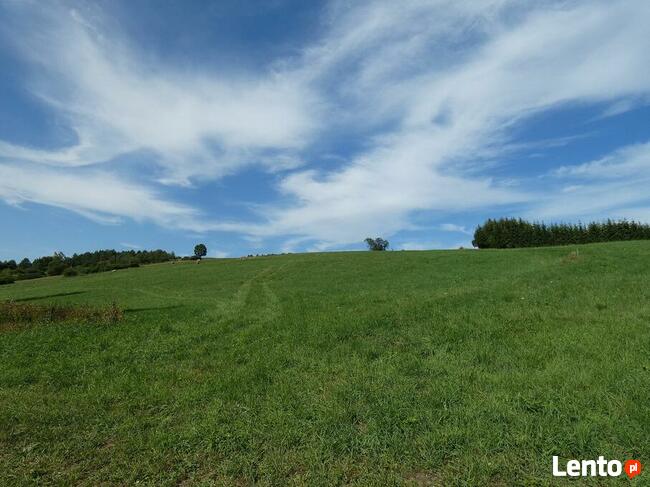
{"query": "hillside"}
[(440, 367)]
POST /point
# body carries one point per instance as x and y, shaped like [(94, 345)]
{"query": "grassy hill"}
[(436, 367)]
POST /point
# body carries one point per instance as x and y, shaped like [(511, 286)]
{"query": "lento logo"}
[(593, 468), (633, 468)]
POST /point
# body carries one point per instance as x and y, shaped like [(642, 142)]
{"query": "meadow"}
[(357, 368)]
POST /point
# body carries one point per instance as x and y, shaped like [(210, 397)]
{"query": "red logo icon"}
[(633, 468)]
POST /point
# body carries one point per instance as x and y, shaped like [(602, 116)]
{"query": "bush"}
[(6, 280), (70, 272), (55, 268), (30, 274), (377, 244)]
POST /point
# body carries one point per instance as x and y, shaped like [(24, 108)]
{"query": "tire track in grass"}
[(262, 304), (254, 301)]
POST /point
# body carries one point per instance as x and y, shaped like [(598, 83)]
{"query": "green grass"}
[(440, 367)]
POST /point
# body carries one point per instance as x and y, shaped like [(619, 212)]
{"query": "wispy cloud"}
[(461, 101), (198, 124), (219, 254), (613, 186), (95, 194), (622, 106), (434, 91), (628, 161), (452, 227), (417, 246)]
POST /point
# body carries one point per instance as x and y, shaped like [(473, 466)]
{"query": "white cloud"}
[(621, 106), (613, 186), (417, 246), (431, 88), (607, 199), (630, 161), (97, 195), (219, 254), (198, 124), (452, 227), (451, 102)]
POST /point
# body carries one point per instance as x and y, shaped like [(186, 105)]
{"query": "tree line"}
[(508, 233), (86, 263)]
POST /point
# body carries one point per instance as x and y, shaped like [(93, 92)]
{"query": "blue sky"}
[(291, 126)]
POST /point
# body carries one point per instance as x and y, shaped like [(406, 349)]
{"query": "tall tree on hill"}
[(200, 251)]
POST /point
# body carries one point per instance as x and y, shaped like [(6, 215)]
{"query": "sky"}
[(289, 126)]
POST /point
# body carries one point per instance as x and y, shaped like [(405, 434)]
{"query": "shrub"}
[(6, 280), (55, 268), (70, 272), (376, 244), (31, 273)]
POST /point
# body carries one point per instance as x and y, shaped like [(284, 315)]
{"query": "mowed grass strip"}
[(396, 368)]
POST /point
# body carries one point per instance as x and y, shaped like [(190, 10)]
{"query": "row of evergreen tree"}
[(86, 263), (508, 233)]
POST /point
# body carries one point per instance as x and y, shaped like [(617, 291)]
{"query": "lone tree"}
[(376, 243), (200, 250)]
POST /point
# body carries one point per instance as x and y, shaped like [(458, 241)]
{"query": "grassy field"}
[(420, 368)]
